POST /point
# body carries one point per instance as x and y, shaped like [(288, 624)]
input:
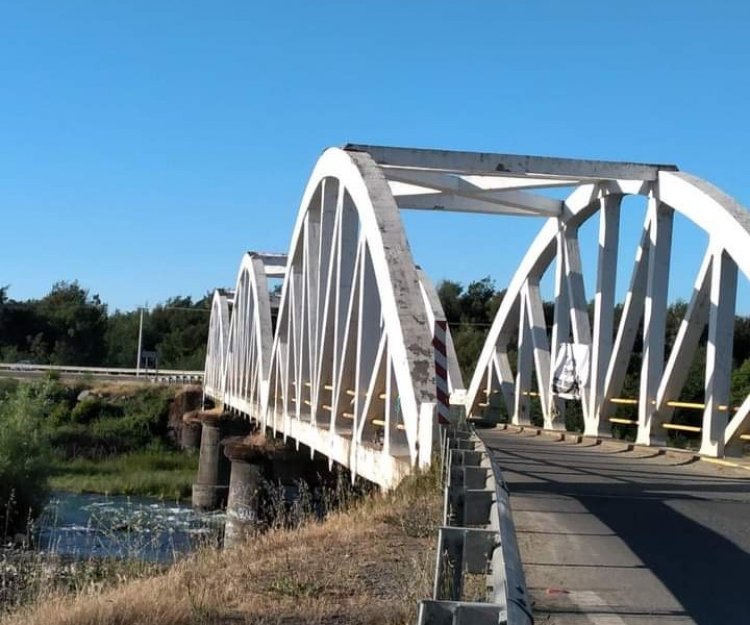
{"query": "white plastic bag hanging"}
[(571, 370)]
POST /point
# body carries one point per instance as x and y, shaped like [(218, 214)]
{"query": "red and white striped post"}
[(441, 371)]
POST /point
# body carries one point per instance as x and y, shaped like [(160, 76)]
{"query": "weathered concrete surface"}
[(244, 485), (611, 536), (190, 433), (212, 484)]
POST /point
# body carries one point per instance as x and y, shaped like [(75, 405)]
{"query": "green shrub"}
[(58, 415), (8, 386), (123, 434), (97, 427), (86, 411), (72, 440), (24, 460)]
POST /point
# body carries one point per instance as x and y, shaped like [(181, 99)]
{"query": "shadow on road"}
[(690, 527)]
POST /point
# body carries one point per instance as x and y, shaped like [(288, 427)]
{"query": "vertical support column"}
[(501, 364), (719, 353), (244, 485), (604, 302), (190, 433), (560, 327), (212, 484), (579, 313), (541, 350), (654, 320), (523, 374), (428, 435)]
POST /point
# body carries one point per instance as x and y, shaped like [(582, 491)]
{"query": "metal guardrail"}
[(476, 543), (164, 375)]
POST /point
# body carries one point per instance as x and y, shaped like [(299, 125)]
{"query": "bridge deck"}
[(610, 536)]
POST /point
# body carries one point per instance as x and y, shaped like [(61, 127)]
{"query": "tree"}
[(181, 328), (75, 325), (121, 339), (449, 293), (469, 314)]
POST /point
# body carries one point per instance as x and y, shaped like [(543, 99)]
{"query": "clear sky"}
[(146, 144)]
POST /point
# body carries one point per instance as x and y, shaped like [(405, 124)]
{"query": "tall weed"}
[(24, 460)]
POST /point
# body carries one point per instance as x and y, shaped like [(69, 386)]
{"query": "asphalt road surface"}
[(610, 536)]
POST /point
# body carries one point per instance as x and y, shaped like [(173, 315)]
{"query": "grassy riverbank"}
[(90, 438), (168, 474), (365, 565)]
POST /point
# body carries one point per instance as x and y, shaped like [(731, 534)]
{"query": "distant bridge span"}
[(72, 372), (353, 357)]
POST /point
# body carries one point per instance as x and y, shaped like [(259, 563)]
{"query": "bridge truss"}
[(353, 356)]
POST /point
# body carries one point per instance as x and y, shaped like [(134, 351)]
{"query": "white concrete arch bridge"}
[(353, 357)]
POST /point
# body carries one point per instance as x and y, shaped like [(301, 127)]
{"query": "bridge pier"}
[(212, 484), (190, 433), (248, 461)]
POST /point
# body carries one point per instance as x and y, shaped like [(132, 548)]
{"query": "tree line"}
[(71, 326)]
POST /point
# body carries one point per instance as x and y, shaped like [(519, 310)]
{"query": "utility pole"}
[(140, 343)]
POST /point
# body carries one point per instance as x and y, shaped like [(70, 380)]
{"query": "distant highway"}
[(165, 376), (611, 535)]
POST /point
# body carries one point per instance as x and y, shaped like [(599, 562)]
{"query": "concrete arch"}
[(250, 335), (218, 333), (352, 368), (520, 315)]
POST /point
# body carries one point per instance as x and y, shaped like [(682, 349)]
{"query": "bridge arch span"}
[(218, 334), (248, 347), (520, 323), (352, 368), (341, 358)]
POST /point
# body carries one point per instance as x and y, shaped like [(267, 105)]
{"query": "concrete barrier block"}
[(460, 613)]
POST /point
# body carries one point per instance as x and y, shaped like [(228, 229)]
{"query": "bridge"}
[(352, 356)]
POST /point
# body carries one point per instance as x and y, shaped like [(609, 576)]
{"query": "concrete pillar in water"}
[(242, 506), (190, 434), (211, 487)]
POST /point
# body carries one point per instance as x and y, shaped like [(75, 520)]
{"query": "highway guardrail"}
[(479, 579), (163, 375)]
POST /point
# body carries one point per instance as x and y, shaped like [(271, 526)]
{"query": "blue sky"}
[(147, 144)]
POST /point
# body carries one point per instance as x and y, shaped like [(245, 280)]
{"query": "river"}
[(85, 525)]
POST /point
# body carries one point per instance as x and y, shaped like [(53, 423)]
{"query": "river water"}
[(84, 526)]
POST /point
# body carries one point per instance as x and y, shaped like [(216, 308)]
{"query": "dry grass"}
[(368, 565)]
